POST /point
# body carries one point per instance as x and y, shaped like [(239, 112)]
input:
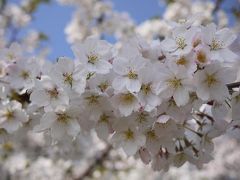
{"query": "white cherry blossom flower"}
[(69, 76), (127, 137), (23, 74), (125, 102), (219, 41), (94, 54), (181, 41), (174, 81), (211, 82), (48, 95), (128, 69), (11, 54), (61, 122), (12, 116)]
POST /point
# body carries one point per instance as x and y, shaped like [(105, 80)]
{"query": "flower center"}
[(196, 42), (182, 61), (93, 99), (103, 86), (9, 114), (141, 118), (146, 88), (53, 93), (24, 75), (127, 98), (201, 57), (132, 75), (68, 78), (180, 41), (63, 118), (151, 134), (175, 83), (215, 45), (210, 80), (129, 135), (104, 118), (92, 58)]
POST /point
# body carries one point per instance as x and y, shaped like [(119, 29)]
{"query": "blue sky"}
[(52, 19)]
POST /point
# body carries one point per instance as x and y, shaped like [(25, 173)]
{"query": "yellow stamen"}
[(146, 88), (129, 135), (175, 83), (63, 118), (127, 98), (201, 57), (181, 42), (53, 93), (93, 99), (68, 78), (24, 75), (92, 58), (210, 80), (132, 75), (182, 61)]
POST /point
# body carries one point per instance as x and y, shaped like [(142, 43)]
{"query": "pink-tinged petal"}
[(144, 155)]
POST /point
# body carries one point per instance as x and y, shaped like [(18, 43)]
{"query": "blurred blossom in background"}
[(54, 26)]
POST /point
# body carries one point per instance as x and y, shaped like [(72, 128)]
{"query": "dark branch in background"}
[(99, 160), (233, 85), (217, 5)]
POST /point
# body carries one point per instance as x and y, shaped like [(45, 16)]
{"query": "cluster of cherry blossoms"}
[(163, 102), (94, 17)]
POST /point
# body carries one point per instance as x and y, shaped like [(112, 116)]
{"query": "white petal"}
[(130, 148), (39, 97), (73, 128), (58, 131), (46, 122), (228, 55), (119, 83), (181, 96), (133, 85), (11, 125)]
